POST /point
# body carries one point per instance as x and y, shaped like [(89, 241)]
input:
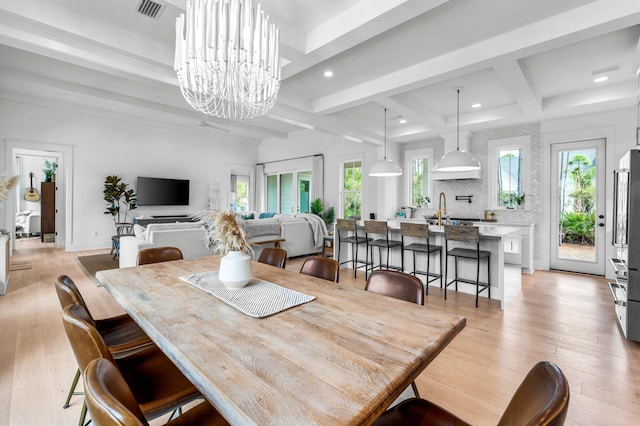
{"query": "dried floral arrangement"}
[(223, 231), (6, 185)]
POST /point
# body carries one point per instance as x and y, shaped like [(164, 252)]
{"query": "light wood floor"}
[(564, 318)]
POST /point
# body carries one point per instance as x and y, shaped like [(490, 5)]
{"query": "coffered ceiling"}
[(523, 61)]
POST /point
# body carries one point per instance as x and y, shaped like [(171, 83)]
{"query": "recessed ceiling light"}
[(600, 79), (476, 105), (328, 73), (402, 121)]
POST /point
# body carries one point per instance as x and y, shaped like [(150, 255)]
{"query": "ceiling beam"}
[(568, 27), (516, 83), (413, 112)]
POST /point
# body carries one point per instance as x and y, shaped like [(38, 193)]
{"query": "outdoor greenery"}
[(510, 177), (317, 208), (578, 196), (119, 197), (352, 195), (420, 184)]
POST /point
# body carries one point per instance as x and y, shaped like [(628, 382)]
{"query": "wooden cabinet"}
[(47, 210)]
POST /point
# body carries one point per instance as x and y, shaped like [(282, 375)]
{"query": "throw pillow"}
[(140, 231), (266, 215), (247, 216)]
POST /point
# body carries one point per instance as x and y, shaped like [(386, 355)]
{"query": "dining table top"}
[(341, 358)]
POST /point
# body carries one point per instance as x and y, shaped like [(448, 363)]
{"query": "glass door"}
[(577, 207), (289, 193)]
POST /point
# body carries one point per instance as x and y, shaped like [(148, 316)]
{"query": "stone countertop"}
[(489, 230)]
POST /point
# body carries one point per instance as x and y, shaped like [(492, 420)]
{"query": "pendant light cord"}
[(458, 124), (385, 133)]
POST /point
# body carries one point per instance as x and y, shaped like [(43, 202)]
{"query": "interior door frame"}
[(598, 266)]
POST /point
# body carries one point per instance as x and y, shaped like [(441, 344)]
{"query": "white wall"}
[(103, 145)]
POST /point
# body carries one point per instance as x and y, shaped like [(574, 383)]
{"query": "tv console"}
[(146, 220)]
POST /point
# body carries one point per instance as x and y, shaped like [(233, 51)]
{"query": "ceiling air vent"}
[(152, 9)]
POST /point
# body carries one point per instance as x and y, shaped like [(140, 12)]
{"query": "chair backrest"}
[(124, 228), (321, 267), (408, 229), (109, 397), (273, 256), (345, 225), (158, 254), (86, 342), (376, 227), (467, 234), (68, 294), (541, 399), (396, 284)]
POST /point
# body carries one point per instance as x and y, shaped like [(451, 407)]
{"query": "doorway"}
[(577, 207)]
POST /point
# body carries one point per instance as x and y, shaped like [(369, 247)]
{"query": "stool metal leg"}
[(72, 391)]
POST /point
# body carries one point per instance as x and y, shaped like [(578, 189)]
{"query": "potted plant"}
[(49, 170), (317, 208), (519, 200), (120, 199), (223, 231)]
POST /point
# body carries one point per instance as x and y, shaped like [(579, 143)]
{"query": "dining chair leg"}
[(83, 414), (415, 389), (72, 391)]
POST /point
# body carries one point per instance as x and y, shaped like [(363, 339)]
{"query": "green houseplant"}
[(519, 199), (49, 170), (119, 197), (317, 208)]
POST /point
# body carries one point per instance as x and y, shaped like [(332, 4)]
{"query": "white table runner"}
[(257, 299)]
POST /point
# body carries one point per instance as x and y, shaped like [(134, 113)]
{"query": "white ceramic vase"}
[(235, 269)]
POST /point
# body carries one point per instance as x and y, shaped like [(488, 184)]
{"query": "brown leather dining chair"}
[(120, 333), (157, 384), (158, 254), (321, 267), (542, 400), (111, 402), (400, 286), (273, 256)]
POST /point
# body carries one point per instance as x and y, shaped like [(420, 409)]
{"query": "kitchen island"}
[(505, 279)]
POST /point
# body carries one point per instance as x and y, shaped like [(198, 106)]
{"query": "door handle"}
[(601, 224), (601, 216)]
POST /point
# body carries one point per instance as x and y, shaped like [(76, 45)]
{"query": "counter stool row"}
[(414, 238)]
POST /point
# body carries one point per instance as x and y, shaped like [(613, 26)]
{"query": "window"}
[(418, 178), (351, 191), (508, 171), (284, 196), (239, 193)]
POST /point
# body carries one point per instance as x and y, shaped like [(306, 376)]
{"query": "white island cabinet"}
[(505, 278), (518, 247)]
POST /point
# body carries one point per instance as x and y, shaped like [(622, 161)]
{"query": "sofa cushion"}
[(256, 228), (140, 231)]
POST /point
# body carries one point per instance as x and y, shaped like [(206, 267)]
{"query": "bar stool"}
[(467, 234), (421, 230), (348, 233), (379, 227)]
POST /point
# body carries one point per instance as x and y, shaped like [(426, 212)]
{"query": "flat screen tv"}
[(162, 192)]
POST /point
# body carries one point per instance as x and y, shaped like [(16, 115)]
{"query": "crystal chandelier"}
[(227, 58)]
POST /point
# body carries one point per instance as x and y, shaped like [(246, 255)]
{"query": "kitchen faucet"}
[(440, 211)]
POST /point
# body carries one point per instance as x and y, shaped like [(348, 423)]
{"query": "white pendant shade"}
[(457, 161), (385, 167)]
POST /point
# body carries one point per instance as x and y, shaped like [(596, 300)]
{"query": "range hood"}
[(450, 144)]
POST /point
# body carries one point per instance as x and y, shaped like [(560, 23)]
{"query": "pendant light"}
[(457, 161), (385, 167)]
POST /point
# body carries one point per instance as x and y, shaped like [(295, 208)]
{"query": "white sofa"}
[(187, 236), (28, 223), (302, 233)]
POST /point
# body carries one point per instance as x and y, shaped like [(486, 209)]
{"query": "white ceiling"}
[(524, 61)]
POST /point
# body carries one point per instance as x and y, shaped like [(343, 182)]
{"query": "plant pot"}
[(235, 270)]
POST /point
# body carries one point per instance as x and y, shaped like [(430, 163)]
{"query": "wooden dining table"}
[(339, 359)]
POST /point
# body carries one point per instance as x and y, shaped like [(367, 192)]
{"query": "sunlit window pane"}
[(510, 182)]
